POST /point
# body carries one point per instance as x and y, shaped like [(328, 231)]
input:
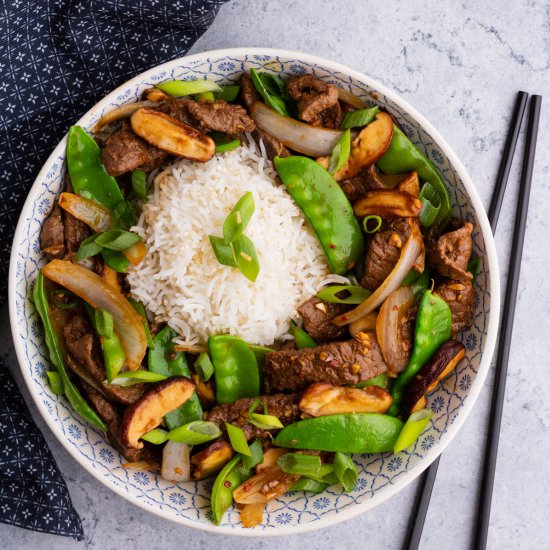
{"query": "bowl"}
[(380, 475)]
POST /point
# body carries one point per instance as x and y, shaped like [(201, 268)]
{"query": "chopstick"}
[(514, 267), (424, 493)]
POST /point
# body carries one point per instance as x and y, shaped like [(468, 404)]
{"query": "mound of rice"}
[(181, 282)]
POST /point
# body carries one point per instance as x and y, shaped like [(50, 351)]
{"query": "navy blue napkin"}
[(57, 59)]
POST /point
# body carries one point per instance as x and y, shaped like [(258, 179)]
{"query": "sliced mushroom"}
[(443, 362), (388, 203), (271, 456), (270, 483), (172, 136), (411, 184), (322, 399), (147, 413), (252, 514), (378, 180), (205, 391), (211, 460)]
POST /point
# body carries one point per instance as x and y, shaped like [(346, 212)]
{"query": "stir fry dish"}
[(253, 282)]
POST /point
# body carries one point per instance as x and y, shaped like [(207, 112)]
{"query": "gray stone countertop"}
[(460, 64)]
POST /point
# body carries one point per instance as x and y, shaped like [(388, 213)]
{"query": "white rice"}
[(181, 282)]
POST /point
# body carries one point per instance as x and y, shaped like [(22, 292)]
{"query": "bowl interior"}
[(380, 475)]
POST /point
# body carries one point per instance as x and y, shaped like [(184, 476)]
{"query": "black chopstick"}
[(422, 501), (507, 326)]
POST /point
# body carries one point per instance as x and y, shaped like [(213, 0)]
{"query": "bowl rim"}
[(492, 325)]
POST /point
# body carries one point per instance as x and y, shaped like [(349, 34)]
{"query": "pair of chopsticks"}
[(422, 502)]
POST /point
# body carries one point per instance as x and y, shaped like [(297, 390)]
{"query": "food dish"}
[(480, 248)]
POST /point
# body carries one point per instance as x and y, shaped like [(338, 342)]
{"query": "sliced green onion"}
[(412, 429), (264, 88), (195, 433), (104, 323), (139, 183), (238, 218), (228, 93), (302, 338), (357, 294), (209, 96), (246, 257), (237, 439), (256, 455), (474, 266), (225, 142), (431, 204), (362, 117), (140, 308), (179, 88), (309, 485), (115, 260), (263, 421), (204, 367), (345, 469), (129, 378), (124, 212), (156, 436), (340, 153), (117, 239), (410, 277), (304, 465), (380, 380), (88, 248), (223, 251), (55, 381), (325, 475), (372, 223)]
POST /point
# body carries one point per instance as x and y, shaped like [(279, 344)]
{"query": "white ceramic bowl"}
[(380, 475)]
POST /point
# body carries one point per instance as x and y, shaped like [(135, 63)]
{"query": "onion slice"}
[(90, 212), (353, 100), (299, 136), (408, 256), (175, 462), (367, 323), (388, 328), (100, 295), (124, 111)]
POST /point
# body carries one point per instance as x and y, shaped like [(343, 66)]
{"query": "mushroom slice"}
[(172, 136), (442, 363), (270, 483), (205, 391), (322, 399), (147, 413), (388, 203), (410, 184), (211, 460), (252, 514), (271, 456)]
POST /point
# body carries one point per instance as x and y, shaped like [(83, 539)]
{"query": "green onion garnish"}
[(115, 260), (372, 223), (139, 183), (304, 465), (179, 88), (131, 377), (360, 118), (256, 455), (228, 93), (356, 294), (140, 308), (309, 485), (156, 436), (88, 248), (56, 384), (209, 96), (345, 469), (412, 429), (228, 145), (270, 90), (237, 220), (223, 251), (380, 380), (474, 266), (340, 153), (117, 239), (246, 257), (195, 433), (431, 204), (204, 367), (302, 338), (263, 421), (104, 323), (237, 439)]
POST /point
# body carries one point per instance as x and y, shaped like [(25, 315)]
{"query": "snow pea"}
[(235, 368), (327, 209), (402, 156), (433, 327), (347, 433), (79, 404), (163, 359)]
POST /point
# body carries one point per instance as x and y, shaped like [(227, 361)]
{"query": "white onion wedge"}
[(124, 111), (409, 253), (353, 100), (175, 462), (90, 212), (367, 323), (100, 295)]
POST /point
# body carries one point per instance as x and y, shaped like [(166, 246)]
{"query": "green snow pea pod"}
[(235, 368), (79, 404), (163, 359), (402, 156), (346, 433), (433, 327), (327, 209)]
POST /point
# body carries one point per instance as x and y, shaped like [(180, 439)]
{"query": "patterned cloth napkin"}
[(57, 59)]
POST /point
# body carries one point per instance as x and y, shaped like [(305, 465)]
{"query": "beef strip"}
[(451, 253), (124, 151), (355, 187), (460, 295), (284, 407), (221, 116), (178, 108), (249, 93), (273, 147), (318, 316), (75, 232), (52, 235), (336, 363), (317, 100)]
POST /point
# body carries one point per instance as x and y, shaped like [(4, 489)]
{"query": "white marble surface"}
[(460, 65)]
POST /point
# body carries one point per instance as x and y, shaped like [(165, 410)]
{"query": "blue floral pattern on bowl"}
[(380, 475)]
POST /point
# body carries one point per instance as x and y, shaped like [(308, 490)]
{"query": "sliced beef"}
[(318, 316), (248, 90), (451, 253), (460, 295), (52, 235), (317, 100), (221, 116), (75, 232), (178, 108), (273, 147), (124, 151), (355, 187), (336, 363), (284, 407)]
